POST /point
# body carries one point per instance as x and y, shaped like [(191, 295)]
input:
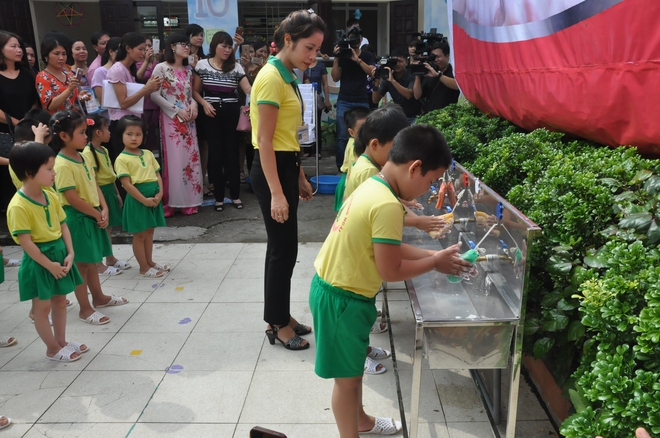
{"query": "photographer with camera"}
[(352, 66), (438, 85), (393, 77)]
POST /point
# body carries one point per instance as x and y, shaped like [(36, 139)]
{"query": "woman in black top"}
[(17, 96)]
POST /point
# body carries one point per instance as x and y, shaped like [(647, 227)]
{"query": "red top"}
[(49, 87)]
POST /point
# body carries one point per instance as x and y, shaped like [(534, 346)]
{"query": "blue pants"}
[(342, 129)]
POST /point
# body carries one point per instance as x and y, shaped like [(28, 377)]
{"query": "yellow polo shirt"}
[(141, 168), (349, 157), (105, 174), (362, 170), (373, 214), (76, 175), (42, 222), (276, 85)]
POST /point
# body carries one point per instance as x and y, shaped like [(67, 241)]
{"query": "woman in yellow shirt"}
[(276, 110)]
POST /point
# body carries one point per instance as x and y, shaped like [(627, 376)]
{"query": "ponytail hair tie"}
[(90, 122)]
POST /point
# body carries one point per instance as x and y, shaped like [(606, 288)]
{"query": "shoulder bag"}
[(7, 138)]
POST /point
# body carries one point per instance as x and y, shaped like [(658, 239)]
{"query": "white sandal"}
[(114, 301), (13, 262), (5, 341), (111, 271), (163, 268), (384, 426), (76, 346), (153, 273), (376, 328), (371, 367), (379, 353), (64, 355), (122, 265), (8, 421), (95, 319)]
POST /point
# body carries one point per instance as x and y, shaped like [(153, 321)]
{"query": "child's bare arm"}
[(403, 262), (57, 270), (80, 204)]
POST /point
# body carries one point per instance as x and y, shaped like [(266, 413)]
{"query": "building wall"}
[(44, 20)]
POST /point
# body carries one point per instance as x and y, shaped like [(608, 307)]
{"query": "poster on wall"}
[(586, 67), (214, 16)]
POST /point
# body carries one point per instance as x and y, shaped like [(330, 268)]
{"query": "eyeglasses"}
[(149, 45), (184, 44)]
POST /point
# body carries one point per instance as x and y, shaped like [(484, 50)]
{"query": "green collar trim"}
[(45, 207), (134, 155), (283, 71), (371, 161), (383, 182), (82, 161)]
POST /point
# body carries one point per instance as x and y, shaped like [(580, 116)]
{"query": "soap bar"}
[(470, 256)]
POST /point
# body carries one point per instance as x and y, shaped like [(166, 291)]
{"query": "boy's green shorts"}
[(342, 322)]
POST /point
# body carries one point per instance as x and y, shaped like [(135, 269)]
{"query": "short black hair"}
[(442, 45), (27, 158), (421, 142), (352, 22), (130, 120), (23, 130), (96, 36), (382, 124), (353, 115), (39, 115)]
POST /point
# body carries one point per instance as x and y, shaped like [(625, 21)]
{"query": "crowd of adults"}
[(186, 97)]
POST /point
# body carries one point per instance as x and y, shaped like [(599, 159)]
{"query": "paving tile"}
[(318, 430), (24, 396), (199, 397), (16, 430), (164, 318), (139, 352), (291, 390), (65, 430), (277, 358), (225, 352), (477, 429), (104, 397), (23, 341), (183, 430), (214, 251), (232, 318), (240, 290)]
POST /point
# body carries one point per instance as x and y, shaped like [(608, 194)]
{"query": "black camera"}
[(423, 49), (345, 41), (385, 61)]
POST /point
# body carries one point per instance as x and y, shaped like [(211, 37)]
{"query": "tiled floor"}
[(188, 357)]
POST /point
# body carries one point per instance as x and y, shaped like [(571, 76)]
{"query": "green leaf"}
[(610, 182), (567, 305), (624, 195), (558, 265), (653, 233), (640, 176), (532, 325), (575, 331), (542, 346), (550, 299), (578, 402), (562, 248), (638, 221), (597, 260), (554, 321), (652, 185)]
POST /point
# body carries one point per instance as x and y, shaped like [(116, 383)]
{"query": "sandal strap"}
[(295, 342)]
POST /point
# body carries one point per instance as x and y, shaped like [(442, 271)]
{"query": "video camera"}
[(346, 40), (384, 61), (423, 49)]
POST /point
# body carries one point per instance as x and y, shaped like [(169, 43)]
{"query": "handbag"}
[(244, 123), (320, 102), (7, 138)]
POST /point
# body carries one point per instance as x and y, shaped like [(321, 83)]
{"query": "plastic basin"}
[(326, 183)]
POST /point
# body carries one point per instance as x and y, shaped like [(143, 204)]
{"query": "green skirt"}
[(114, 208), (90, 243), (35, 281), (339, 192), (136, 216), (342, 322), (2, 273)]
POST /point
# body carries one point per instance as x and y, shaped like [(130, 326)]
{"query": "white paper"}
[(309, 98), (110, 98)]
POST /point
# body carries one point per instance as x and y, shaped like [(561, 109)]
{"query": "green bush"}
[(593, 307)]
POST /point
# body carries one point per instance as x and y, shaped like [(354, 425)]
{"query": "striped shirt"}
[(218, 86)]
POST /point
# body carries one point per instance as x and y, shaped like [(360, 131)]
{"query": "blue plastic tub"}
[(327, 184)]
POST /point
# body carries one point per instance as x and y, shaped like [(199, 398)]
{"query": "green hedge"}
[(592, 294)]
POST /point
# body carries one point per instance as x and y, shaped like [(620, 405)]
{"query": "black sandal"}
[(294, 343), (219, 206), (302, 330), (237, 205)]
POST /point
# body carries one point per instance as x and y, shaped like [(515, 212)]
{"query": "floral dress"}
[(182, 175), (49, 87)]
